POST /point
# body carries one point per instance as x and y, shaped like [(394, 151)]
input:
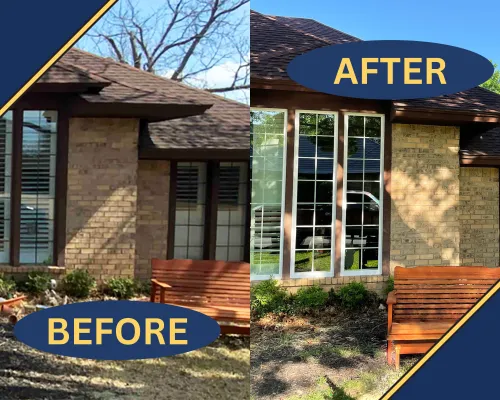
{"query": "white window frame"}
[(283, 191), (361, 272), (314, 274)]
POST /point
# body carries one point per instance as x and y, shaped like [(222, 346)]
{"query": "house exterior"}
[(106, 166), (346, 189)]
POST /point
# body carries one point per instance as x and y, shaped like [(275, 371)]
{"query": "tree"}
[(180, 39), (493, 83)]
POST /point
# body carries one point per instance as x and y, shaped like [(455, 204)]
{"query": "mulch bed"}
[(290, 354), (218, 371)]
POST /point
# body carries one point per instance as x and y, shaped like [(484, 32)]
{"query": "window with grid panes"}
[(363, 179), (190, 210), (315, 194), (231, 211)]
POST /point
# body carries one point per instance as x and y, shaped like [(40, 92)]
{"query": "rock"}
[(65, 300), (381, 307), (51, 298)]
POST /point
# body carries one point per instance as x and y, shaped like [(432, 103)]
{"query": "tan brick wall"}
[(152, 214), (373, 283), (425, 227), (479, 216), (102, 196)]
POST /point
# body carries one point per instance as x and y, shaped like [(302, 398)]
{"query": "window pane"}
[(353, 236), (324, 170), (324, 214), (363, 211), (5, 181), (38, 187), (231, 212), (305, 214), (352, 259), (322, 260), (303, 261), (267, 138), (190, 210), (355, 148), (315, 197), (370, 259)]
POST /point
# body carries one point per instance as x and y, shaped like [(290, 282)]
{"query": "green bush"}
[(353, 295), (37, 282), (122, 288), (389, 286), (143, 287), (268, 296), (7, 287), (78, 283), (310, 297)]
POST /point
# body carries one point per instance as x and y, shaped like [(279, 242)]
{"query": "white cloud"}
[(218, 77)]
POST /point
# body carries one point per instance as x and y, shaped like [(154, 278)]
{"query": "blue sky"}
[(473, 24)]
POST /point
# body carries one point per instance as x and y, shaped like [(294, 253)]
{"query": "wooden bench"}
[(427, 301), (218, 289)]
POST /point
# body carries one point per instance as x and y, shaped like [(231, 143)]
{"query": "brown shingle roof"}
[(223, 126), (129, 84), (275, 41), (226, 125)]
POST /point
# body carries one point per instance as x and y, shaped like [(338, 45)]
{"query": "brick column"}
[(102, 196)]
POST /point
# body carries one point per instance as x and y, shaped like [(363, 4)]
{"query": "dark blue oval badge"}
[(117, 330), (390, 69)]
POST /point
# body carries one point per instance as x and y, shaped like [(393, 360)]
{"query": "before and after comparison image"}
[(235, 199)]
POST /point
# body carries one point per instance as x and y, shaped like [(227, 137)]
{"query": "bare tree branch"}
[(182, 39)]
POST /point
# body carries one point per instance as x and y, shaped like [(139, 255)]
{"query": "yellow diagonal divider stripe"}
[(69, 44), (441, 342)]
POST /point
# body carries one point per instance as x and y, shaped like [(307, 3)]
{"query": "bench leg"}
[(389, 352), (398, 350)]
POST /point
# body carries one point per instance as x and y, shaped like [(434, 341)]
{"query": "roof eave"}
[(152, 112), (441, 116)]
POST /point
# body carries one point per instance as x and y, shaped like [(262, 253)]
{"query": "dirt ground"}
[(334, 355), (219, 371)]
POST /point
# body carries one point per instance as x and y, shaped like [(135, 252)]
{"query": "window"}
[(38, 187), (28, 146), (315, 194), (267, 147), (190, 210), (210, 208), (231, 211), (363, 189), (5, 186)]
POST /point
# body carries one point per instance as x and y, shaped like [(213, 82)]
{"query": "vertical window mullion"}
[(15, 218), (171, 210), (212, 200)]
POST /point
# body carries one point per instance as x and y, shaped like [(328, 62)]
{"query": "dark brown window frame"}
[(211, 207), (59, 240)]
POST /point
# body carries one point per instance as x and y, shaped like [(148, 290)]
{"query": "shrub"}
[(7, 287), (268, 296), (142, 287), (37, 282), (122, 288), (310, 297), (78, 283), (389, 286), (353, 295)]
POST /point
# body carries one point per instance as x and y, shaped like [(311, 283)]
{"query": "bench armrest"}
[(160, 284), (391, 297)]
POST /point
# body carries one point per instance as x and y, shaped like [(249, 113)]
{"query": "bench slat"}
[(218, 289)]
